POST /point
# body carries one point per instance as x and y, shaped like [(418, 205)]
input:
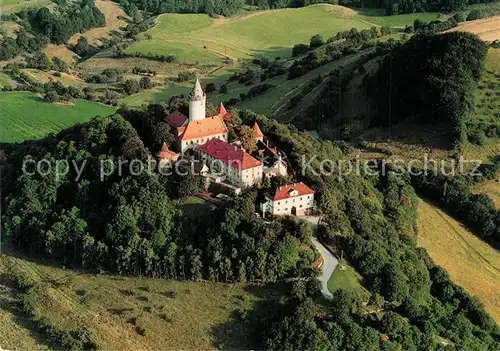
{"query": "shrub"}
[(299, 49)]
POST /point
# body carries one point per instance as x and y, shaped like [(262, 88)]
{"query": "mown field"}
[(198, 38), (346, 278), (472, 263), (121, 313), (10, 6), (24, 115)]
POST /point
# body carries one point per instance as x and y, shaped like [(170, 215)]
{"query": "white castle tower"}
[(197, 103)]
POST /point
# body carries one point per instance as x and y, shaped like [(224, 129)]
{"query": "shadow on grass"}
[(9, 303), (245, 328)]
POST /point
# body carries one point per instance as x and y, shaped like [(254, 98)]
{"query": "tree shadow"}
[(9, 304), (245, 328)]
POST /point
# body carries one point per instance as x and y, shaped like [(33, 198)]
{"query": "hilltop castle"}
[(197, 129), (227, 165)]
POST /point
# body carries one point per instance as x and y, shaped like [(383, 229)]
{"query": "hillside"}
[(113, 309), (198, 38), (472, 263), (24, 115)]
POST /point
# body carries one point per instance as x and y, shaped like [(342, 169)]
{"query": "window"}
[(300, 206)]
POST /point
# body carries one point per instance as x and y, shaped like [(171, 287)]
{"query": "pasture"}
[(24, 115), (488, 29), (490, 188), (129, 313), (11, 6), (199, 38), (471, 263)]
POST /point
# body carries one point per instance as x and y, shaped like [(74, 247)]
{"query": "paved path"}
[(329, 261)]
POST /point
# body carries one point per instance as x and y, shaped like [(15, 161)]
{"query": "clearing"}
[(24, 115), (199, 38), (488, 29), (116, 311), (471, 263)]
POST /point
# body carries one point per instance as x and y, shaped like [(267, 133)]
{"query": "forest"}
[(44, 26), (430, 79)]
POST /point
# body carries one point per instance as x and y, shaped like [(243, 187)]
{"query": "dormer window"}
[(293, 192)]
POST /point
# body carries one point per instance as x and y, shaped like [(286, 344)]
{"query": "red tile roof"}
[(229, 154), (176, 119), (204, 128), (222, 112), (256, 129), (166, 153), (285, 191)]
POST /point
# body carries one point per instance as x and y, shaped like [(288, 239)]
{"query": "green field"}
[(347, 279), (11, 6), (24, 115), (378, 17), (199, 38), (112, 309)]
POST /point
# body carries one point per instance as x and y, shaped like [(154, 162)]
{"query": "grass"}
[(156, 95), (198, 38), (347, 279), (10, 6), (174, 315), (24, 115), (471, 263), (378, 17), (4, 80), (266, 33)]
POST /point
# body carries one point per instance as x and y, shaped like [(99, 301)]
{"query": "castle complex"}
[(229, 165)]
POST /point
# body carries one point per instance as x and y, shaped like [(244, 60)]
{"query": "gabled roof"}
[(176, 119), (256, 129), (287, 191), (229, 154), (165, 152), (204, 128)]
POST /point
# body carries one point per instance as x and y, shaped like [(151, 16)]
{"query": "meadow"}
[(11, 6), (127, 313), (198, 38), (471, 263), (490, 188), (346, 278), (24, 115)]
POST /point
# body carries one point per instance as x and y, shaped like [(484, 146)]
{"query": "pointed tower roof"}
[(165, 152), (197, 90), (256, 129), (221, 111)]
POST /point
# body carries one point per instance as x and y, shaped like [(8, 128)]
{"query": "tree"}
[(131, 86), (223, 89), (145, 83), (248, 139), (82, 46), (299, 49), (316, 41)]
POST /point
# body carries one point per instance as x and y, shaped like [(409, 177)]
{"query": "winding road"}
[(329, 261)]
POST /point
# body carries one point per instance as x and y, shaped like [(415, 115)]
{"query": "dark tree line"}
[(210, 7), (394, 7), (430, 79)]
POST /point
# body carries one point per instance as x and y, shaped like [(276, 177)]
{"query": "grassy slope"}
[(347, 279), (378, 17), (472, 263), (24, 115), (175, 315), (10, 6), (487, 109), (266, 33)]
